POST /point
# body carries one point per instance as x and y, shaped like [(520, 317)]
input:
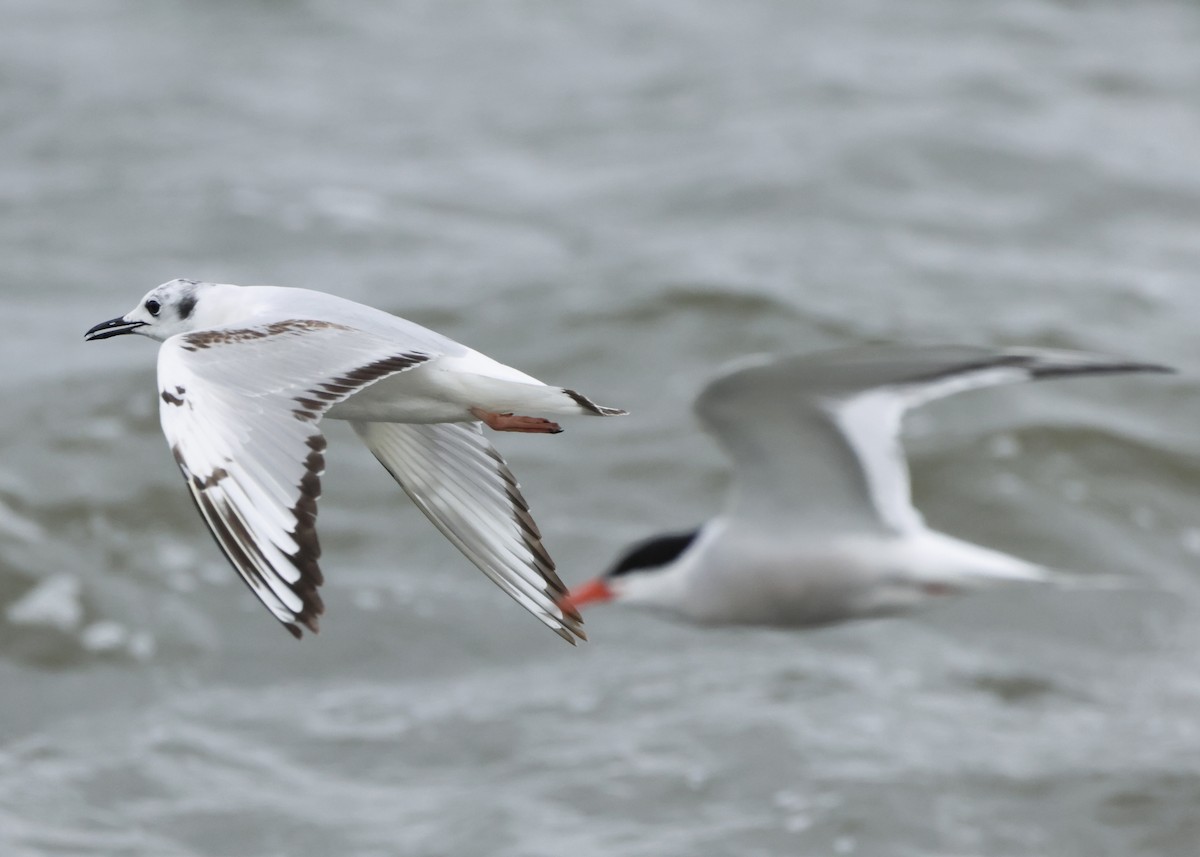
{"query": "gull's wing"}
[(464, 487), (815, 439), (240, 409)]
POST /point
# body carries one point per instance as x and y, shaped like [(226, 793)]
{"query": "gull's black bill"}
[(112, 327)]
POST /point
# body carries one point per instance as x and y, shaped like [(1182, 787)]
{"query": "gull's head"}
[(649, 573), (165, 311)]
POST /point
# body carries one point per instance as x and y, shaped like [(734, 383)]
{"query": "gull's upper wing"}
[(463, 485), (240, 409), (815, 439)]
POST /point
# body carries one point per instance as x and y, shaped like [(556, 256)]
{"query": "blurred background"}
[(617, 197)]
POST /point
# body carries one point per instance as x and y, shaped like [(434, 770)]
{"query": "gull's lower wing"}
[(240, 409), (464, 487), (816, 438)]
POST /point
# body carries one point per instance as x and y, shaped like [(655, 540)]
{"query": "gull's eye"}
[(153, 307)]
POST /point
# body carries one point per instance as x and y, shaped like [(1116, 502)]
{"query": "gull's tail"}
[(501, 395), (587, 406)]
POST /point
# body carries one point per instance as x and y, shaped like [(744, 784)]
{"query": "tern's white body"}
[(819, 525), (245, 375), (738, 578)]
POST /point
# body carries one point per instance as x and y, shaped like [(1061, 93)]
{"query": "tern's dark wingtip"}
[(1145, 369), (1098, 368), (1159, 369)]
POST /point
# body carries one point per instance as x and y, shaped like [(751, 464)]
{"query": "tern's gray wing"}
[(464, 487), (815, 439), (240, 409)]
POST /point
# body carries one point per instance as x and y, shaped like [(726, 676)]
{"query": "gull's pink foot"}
[(939, 589), (509, 422)]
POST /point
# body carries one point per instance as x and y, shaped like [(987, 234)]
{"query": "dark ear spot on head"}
[(186, 304), (654, 552)]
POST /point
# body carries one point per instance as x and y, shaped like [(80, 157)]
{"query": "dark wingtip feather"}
[(568, 636), (1115, 368), (591, 407)]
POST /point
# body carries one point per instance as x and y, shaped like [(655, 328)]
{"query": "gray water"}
[(616, 196)]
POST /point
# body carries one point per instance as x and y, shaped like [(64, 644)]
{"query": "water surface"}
[(617, 197)]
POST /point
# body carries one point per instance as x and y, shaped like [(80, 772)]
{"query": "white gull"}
[(246, 373)]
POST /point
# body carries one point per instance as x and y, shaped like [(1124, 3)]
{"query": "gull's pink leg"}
[(508, 422)]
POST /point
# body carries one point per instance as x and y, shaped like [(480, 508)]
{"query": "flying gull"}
[(245, 375)]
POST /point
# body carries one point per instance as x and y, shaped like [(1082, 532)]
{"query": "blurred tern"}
[(819, 525), (245, 375)]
